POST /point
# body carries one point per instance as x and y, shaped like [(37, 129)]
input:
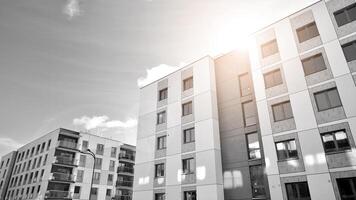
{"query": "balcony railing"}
[(56, 176), (124, 183), (67, 144), (58, 194), (65, 160), (129, 170), (122, 197), (127, 156)]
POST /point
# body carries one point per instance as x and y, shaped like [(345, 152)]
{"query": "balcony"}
[(124, 184), (128, 170), (63, 160), (123, 197), (57, 194), (67, 145), (126, 156), (61, 177)]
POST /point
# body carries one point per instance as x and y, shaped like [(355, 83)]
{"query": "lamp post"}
[(89, 152)]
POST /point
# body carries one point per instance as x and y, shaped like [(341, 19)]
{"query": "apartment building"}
[(58, 165), (277, 121)]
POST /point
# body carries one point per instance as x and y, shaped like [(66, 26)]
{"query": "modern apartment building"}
[(58, 166), (277, 121)]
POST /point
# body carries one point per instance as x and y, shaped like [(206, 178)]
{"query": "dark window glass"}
[(76, 189), (298, 191), (187, 108), (345, 15), (282, 111), (160, 196), (307, 32), (188, 83), (286, 149), (327, 99), (257, 181), (335, 141), (113, 152), (161, 117), (254, 151), (188, 166), (108, 192), (163, 94), (190, 195), (349, 50), (347, 188), (269, 48), (100, 149), (159, 170), (273, 78), (85, 144), (98, 162), (313, 64), (189, 135), (162, 142), (245, 84)]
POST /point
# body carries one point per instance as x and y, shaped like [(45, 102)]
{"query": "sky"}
[(78, 64)]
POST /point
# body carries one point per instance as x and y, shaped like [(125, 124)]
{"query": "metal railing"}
[(58, 194), (129, 170), (123, 197), (127, 156), (67, 144), (124, 183), (65, 160), (57, 176)]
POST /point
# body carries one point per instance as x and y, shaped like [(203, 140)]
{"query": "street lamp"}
[(89, 152)]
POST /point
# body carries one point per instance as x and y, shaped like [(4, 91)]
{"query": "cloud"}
[(94, 122), (10, 143), (155, 73), (72, 9)]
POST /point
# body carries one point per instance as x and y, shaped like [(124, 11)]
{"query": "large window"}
[(282, 111), (307, 32), (80, 174), (313, 64), (161, 142), (160, 196), (96, 178), (100, 149), (190, 195), (113, 152), (163, 94), (249, 113), (82, 160), (345, 15), (189, 135), (188, 166), (159, 170), (257, 181), (254, 151), (269, 48), (335, 141), (347, 188), (298, 191), (245, 84), (188, 83), (94, 194), (349, 50), (286, 149), (161, 117), (273, 78), (98, 162), (327, 99), (77, 190), (187, 108)]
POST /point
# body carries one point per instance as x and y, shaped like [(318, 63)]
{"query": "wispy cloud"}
[(156, 73), (72, 9), (94, 122), (10, 143)]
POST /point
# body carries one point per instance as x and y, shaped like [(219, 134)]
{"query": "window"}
[(94, 192), (100, 149), (345, 15), (96, 178), (187, 108), (45, 160), (188, 166), (313, 64), (269, 48), (80, 174), (161, 117), (327, 99), (85, 145), (245, 84), (257, 181), (28, 165), (286, 149), (108, 192), (335, 141), (98, 162), (160, 196), (159, 170), (32, 151), (307, 32), (34, 163), (27, 153), (42, 174), (349, 50), (82, 160), (347, 188), (273, 78), (112, 165), (249, 113), (39, 162), (38, 149), (188, 83), (282, 111), (163, 94), (189, 135), (298, 191), (113, 152), (110, 179), (161, 142), (190, 195), (254, 151), (48, 144), (77, 190), (43, 147)]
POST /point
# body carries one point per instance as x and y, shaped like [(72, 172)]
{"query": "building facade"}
[(58, 166), (277, 121)]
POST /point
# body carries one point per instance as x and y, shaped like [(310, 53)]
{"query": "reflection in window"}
[(254, 151), (286, 149), (335, 141)]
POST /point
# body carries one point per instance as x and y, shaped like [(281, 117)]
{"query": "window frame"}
[(251, 150), (160, 170), (337, 148), (312, 59), (188, 83), (274, 84), (353, 44), (191, 133), (307, 28), (345, 10), (242, 93), (288, 157), (266, 44), (164, 116), (162, 94), (351, 180), (190, 192), (188, 165), (162, 142), (297, 186), (328, 99), (284, 113), (187, 106)]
